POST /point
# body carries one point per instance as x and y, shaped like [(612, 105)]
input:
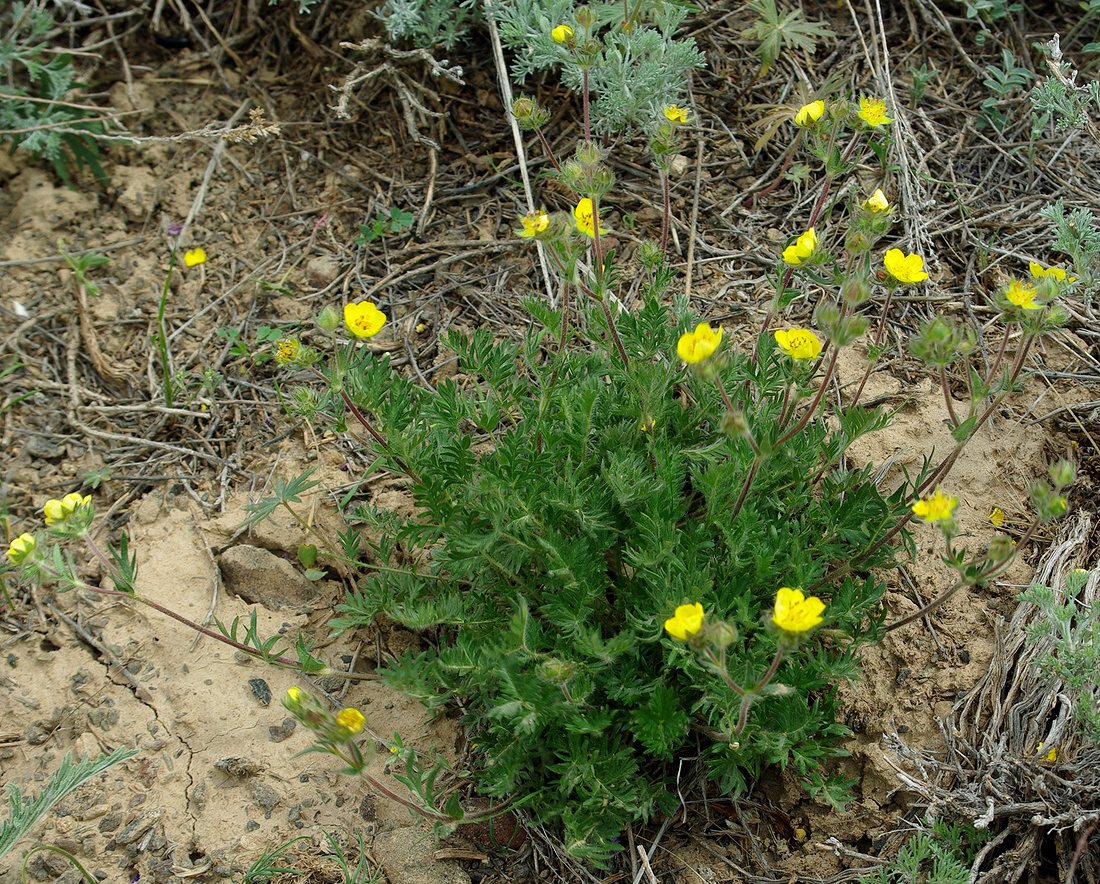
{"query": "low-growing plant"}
[(1074, 629), (384, 224), (35, 85), (25, 811), (939, 855), (616, 514)]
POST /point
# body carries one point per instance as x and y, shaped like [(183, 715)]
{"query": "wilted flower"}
[(876, 202), (194, 257), (795, 612), (695, 346), (801, 249), (873, 112), (21, 548), (937, 508), (364, 319), (676, 114), (810, 113), (534, 223), (903, 267), (686, 621), (1038, 271), (350, 720), (287, 350), (997, 517), (798, 343)]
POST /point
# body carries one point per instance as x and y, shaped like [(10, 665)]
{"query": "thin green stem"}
[(666, 212), (992, 571), (947, 397), (162, 333), (378, 437), (812, 410)]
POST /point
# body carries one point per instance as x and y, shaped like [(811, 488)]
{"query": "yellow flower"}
[(798, 343), (1051, 755), (194, 257), (647, 425), (687, 621), (294, 695), (876, 203), (873, 112), (801, 249), (996, 517), (795, 612), (810, 113), (534, 223), (57, 511), (21, 548), (1038, 271), (676, 114), (1021, 295), (364, 319), (562, 34), (937, 508), (350, 720), (421, 327), (287, 350), (903, 267), (695, 346), (585, 216)]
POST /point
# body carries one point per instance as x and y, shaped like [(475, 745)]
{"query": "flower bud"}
[(584, 16), (329, 319), (1062, 473), (735, 425), (855, 291), (720, 634)]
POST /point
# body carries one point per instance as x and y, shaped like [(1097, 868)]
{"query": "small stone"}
[(260, 690), (280, 732), (262, 578), (238, 767), (266, 797)]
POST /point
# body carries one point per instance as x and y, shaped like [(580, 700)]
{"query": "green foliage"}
[(268, 863), (1076, 233), (25, 811), (777, 31), (921, 77), (1074, 629), (35, 82), (635, 64), (384, 224), (940, 855), (1060, 95), (1004, 84), (566, 504), (429, 23), (267, 649)]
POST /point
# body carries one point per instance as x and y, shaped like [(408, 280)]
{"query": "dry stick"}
[(694, 217), (211, 167), (517, 138)]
